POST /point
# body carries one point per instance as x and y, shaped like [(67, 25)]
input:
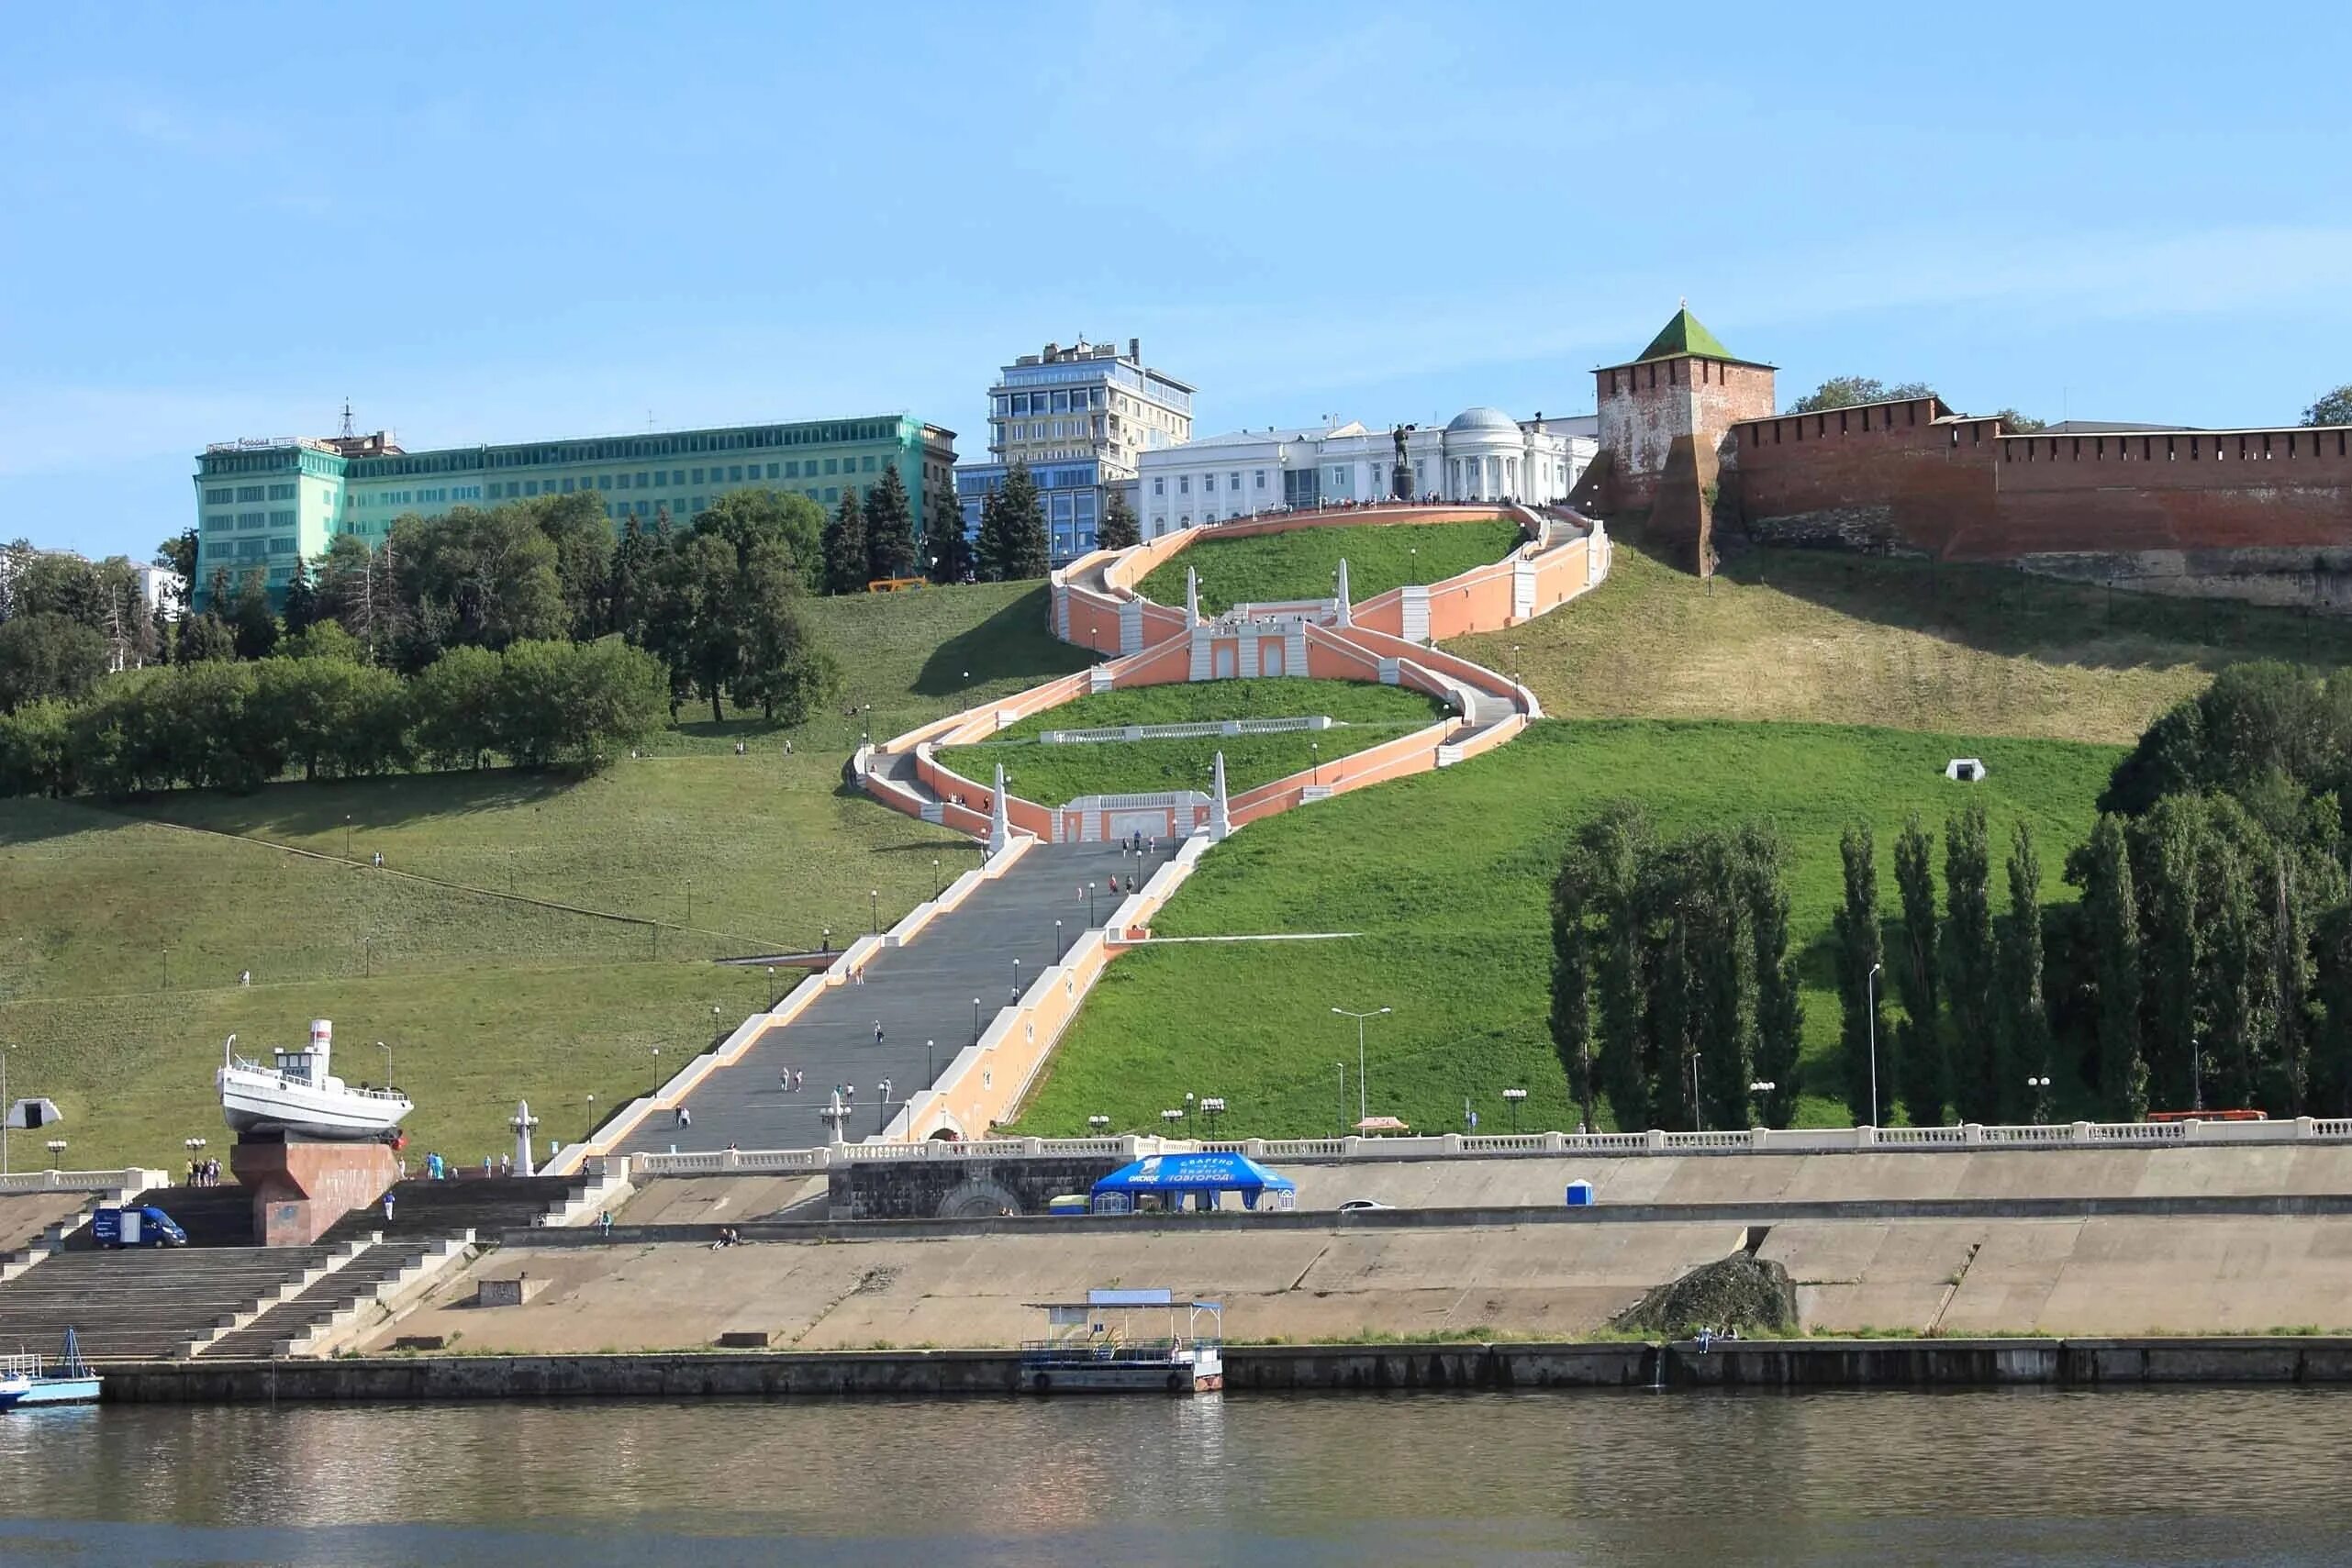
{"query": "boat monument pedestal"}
[(300, 1187)]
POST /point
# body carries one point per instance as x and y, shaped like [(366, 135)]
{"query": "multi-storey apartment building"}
[(1081, 416)]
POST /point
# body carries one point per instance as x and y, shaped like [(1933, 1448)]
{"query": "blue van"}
[(141, 1225)]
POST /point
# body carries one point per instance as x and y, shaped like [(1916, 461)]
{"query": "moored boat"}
[(1091, 1349), (299, 1093), (27, 1381)]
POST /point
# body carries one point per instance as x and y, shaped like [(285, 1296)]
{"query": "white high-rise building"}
[(1082, 417)]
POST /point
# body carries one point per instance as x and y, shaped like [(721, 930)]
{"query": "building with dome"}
[(1481, 454)]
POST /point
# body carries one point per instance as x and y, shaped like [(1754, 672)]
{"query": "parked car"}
[(1362, 1205)]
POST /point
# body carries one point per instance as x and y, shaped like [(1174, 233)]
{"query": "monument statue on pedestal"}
[(1401, 469)]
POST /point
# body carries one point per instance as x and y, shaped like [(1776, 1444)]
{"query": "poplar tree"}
[(2170, 852), (1925, 1072), (2024, 1038), (1571, 1018), (1779, 1007), (1861, 949), (1968, 964), (1621, 962), (2111, 906)]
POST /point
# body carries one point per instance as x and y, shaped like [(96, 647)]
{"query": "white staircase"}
[(1201, 670), (935, 811), (1414, 609), (1294, 651), (1448, 755), (1391, 671), (1099, 679)]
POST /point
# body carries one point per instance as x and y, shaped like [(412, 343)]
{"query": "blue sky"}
[(486, 222)]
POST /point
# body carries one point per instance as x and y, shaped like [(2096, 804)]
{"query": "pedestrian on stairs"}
[(387, 1205), (877, 1031)]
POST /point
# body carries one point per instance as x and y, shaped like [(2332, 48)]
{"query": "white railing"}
[(1724, 1142), (133, 1179), (1201, 730)]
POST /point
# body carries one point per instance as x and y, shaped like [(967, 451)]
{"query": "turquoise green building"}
[(275, 501)]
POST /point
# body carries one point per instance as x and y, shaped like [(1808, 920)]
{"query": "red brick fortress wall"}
[(1909, 477), (1644, 407)]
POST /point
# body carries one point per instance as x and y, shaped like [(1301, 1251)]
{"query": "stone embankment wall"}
[(1769, 1364), (929, 1189)]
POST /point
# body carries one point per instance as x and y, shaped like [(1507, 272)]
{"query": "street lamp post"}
[(1342, 1097), (367, 958), (2196, 1074), (930, 1071), (1362, 1101), (1871, 989), (1090, 905), (347, 835), (1169, 1117), (975, 1020), (167, 969), (1015, 979), (874, 909), (938, 887), (1098, 1123), (56, 1152), (689, 901), (1058, 949), (387, 1063), (2040, 1086), (1514, 1098), (1762, 1086), (1314, 762), (1698, 1114), (770, 988), (1212, 1106)]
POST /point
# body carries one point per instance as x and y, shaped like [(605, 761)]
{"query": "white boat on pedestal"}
[(298, 1095)]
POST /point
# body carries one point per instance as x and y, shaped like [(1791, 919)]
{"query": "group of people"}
[(204, 1173), (727, 1237)]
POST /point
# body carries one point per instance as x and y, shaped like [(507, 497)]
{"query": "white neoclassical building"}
[(1481, 454)]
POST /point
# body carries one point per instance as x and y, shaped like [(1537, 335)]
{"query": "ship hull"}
[(272, 1108)]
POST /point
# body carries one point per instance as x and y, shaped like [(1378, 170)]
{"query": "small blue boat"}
[(27, 1381)]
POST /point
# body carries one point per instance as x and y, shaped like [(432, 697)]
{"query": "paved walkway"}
[(922, 992)]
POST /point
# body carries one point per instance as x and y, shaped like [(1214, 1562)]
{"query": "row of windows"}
[(1209, 482), (623, 449)]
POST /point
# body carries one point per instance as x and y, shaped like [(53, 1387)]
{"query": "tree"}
[(845, 546), (472, 578), (204, 637), (45, 655), (629, 586), (889, 529), (1614, 843), (1012, 543), (781, 667), (35, 748), (576, 527), (2104, 870), (945, 548), (1779, 1005), (301, 609), (178, 556), (456, 703), (1926, 1075), (750, 519), (1846, 391), (2018, 424), (695, 628), (1969, 965), (2022, 1039), (1860, 951), (1571, 1017), (2332, 408), (250, 617), (1120, 531)]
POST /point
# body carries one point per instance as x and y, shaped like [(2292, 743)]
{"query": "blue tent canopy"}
[(1177, 1175)]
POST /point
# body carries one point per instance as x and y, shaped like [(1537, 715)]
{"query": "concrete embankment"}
[(1282, 1369)]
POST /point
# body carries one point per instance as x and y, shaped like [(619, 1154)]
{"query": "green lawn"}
[(1057, 774), (1302, 564), (1446, 876), (450, 954), (1853, 640)]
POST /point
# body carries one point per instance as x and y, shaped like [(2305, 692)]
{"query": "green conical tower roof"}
[(1685, 335)]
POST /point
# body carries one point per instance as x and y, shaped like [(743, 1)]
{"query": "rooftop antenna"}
[(346, 419), (648, 419)]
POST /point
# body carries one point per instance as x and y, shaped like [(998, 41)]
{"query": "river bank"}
[(1284, 1369)]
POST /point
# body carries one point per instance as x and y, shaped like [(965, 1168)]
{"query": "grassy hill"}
[(1801, 635), (1057, 774), (531, 935), (1299, 565), (1445, 879)]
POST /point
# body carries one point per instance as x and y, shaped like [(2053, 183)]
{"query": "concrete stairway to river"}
[(922, 992)]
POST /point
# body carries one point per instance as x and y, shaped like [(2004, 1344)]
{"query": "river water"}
[(2026, 1477)]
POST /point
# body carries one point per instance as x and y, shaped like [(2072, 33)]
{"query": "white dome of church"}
[(1482, 418)]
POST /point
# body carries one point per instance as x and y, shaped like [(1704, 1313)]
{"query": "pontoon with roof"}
[(1090, 1348)]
